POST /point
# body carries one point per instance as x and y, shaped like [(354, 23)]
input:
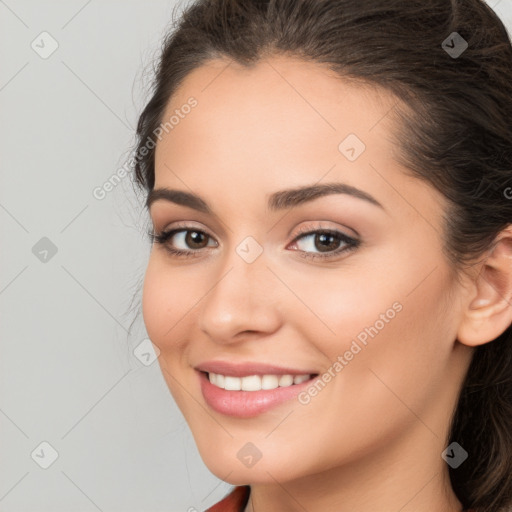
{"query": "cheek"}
[(169, 294), (395, 292), (395, 371), (167, 298), (350, 303), (155, 303), (391, 321), (405, 341)]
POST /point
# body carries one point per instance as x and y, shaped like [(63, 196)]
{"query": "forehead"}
[(275, 125), (278, 100)]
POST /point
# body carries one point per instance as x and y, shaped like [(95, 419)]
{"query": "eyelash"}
[(351, 243)]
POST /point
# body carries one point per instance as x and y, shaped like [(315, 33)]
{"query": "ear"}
[(488, 312)]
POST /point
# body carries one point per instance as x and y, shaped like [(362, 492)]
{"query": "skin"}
[(372, 439)]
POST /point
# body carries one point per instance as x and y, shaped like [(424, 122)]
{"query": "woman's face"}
[(274, 285)]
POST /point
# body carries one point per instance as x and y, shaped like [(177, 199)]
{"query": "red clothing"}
[(237, 499)]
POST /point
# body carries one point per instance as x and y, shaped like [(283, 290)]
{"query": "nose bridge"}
[(239, 297)]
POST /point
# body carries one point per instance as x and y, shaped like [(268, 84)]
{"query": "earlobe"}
[(489, 310)]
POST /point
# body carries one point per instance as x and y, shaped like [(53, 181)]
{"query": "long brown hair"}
[(454, 132)]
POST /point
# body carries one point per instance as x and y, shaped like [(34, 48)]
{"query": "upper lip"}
[(248, 368)]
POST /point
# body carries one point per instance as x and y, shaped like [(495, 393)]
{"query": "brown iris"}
[(194, 239)]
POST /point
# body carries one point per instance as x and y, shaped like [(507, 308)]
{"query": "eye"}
[(181, 241), (326, 243), (188, 242), (189, 239)]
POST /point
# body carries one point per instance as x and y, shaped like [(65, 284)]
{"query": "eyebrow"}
[(280, 200)]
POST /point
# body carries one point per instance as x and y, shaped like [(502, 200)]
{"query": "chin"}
[(227, 465), (247, 476)]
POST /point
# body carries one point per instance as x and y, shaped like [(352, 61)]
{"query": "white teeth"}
[(255, 382), (251, 383), (269, 382), (300, 378), (285, 380), (232, 383)]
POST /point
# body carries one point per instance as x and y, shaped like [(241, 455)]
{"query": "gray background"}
[(69, 376)]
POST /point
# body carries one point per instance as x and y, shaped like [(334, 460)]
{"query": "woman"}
[(329, 184)]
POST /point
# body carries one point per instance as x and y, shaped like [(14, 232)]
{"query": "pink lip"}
[(246, 369), (247, 404)]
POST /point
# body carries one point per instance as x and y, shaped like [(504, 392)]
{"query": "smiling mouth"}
[(256, 382)]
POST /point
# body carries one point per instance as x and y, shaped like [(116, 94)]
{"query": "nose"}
[(241, 302)]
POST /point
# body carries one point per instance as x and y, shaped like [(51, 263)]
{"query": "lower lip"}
[(247, 404)]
